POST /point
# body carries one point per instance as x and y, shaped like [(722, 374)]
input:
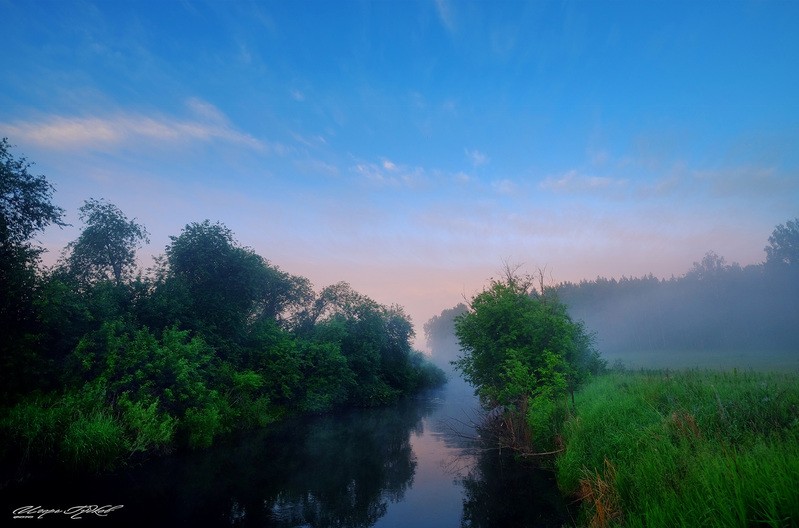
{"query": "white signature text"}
[(74, 512)]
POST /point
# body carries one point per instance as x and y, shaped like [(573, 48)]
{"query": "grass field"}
[(767, 360), (690, 448)]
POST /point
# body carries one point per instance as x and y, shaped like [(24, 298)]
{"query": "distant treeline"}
[(100, 361), (715, 308)]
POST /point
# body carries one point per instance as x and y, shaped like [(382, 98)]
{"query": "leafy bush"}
[(94, 441), (200, 425), (148, 427)]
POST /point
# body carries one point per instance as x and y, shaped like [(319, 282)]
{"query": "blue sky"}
[(410, 148)]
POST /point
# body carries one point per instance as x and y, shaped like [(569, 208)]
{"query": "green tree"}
[(26, 209), (518, 344), (226, 287), (783, 248), (26, 206), (374, 340), (106, 248)]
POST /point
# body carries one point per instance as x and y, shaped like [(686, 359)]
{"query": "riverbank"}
[(691, 448)]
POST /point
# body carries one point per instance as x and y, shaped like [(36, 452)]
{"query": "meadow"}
[(686, 448)]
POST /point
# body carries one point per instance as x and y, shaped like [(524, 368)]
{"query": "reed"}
[(691, 448)]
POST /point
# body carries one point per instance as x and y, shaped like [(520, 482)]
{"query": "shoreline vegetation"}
[(646, 448), (684, 448), (103, 364)]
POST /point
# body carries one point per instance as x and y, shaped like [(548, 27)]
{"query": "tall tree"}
[(25, 201), (783, 244), (229, 286), (26, 208), (106, 248)]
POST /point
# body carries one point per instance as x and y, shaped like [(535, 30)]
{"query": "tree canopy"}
[(101, 365), (523, 353), (518, 342), (783, 244), (106, 248), (25, 200), (26, 208)]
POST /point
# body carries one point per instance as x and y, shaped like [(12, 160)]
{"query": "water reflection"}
[(503, 491), (395, 467), (339, 471)]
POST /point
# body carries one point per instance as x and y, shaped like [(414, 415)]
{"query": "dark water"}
[(412, 465)]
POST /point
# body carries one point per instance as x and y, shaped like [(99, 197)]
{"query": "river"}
[(415, 464)]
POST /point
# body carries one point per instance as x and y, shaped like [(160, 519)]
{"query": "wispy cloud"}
[(312, 166), (445, 14), (297, 95), (573, 181), (476, 157), (505, 186), (206, 123), (388, 173)]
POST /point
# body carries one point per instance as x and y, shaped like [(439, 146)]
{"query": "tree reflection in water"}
[(340, 470), (504, 491), (356, 469)]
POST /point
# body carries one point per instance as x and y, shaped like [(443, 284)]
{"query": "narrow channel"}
[(415, 464)]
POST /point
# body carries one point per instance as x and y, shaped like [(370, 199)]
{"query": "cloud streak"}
[(445, 14), (112, 130), (574, 182), (389, 174)]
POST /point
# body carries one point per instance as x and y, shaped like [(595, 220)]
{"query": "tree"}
[(25, 201), (26, 208), (712, 266), (783, 248), (520, 344), (374, 339), (106, 249), (216, 278)]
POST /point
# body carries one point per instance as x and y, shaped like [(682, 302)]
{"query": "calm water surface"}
[(412, 465)]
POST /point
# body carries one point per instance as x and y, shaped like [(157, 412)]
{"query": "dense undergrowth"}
[(102, 362), (692, 448)]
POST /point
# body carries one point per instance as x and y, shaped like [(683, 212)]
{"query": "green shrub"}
[(148, 428), (201, 425), (94, 441), (545, 418), (34, 426)]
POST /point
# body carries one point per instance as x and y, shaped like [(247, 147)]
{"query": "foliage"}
[(144, 368), (101, 366), (327, 378), (106, 248), (25, 201), (518, 343), (221, 287), (523, 354), (26, 208), (685, 449), (716, 314), (783, 248), (439, 333)]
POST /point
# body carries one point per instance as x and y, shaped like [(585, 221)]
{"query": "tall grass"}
[(79, 430), (685, 449)]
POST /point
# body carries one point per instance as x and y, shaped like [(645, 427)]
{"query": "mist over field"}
[(716, 315)]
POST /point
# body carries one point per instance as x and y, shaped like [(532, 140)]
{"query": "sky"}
[(411, 148)]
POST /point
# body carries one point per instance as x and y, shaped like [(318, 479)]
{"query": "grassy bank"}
[(693, 448)]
